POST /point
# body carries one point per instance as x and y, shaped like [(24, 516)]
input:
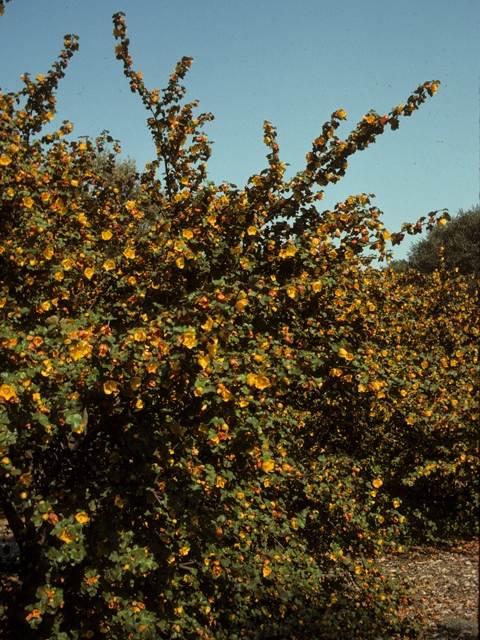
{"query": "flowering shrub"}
[(212, 429)]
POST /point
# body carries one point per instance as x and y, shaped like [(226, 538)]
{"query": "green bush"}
[(212, 429)]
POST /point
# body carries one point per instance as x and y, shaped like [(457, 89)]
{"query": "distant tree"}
[(397, 266), (117, 174), (122, 177), (460, 239)]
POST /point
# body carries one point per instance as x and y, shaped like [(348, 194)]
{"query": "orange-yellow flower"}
[(108, 265), (7, 392), (189, 340), (111, 386), (262, 382), (241, 304), (67, 536), (268, 465), (82, 517)]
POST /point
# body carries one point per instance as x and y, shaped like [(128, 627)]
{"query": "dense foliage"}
[(456, 245), (211, 429)]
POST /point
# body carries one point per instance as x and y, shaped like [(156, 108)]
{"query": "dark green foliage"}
[(460, 240)]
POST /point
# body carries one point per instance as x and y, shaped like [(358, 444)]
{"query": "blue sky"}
[(292, 62)]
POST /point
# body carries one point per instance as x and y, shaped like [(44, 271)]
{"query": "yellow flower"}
[(241, 304), (140, 336), (118, 502), (342, 353), (207, 324), (109, 265), (74, 183), (224, 392), (396, 504), (252, 231), (5, 161), (66, 536), (89, 272), (221, 482), (203, 360), (67, 264), (82, 517), (292, 293), (268, 465), (7, 392), (316, 286), (266, 571), (129, 253), (40, 78), (48, 253), (28, 202), (106, 235), (78, 351), (188, 234), (377, 483), (130, 205), (180, 262), (26, 479), (262, 382), (189, 340), (111, 386)]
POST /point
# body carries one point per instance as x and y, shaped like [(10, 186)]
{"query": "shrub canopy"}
[(211, 429)]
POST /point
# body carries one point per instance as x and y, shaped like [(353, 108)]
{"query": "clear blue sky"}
[(292, 62)]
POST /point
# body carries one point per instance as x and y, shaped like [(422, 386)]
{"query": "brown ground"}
[(445, 585)]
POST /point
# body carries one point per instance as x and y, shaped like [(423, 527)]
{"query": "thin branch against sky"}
[(292, 63)]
